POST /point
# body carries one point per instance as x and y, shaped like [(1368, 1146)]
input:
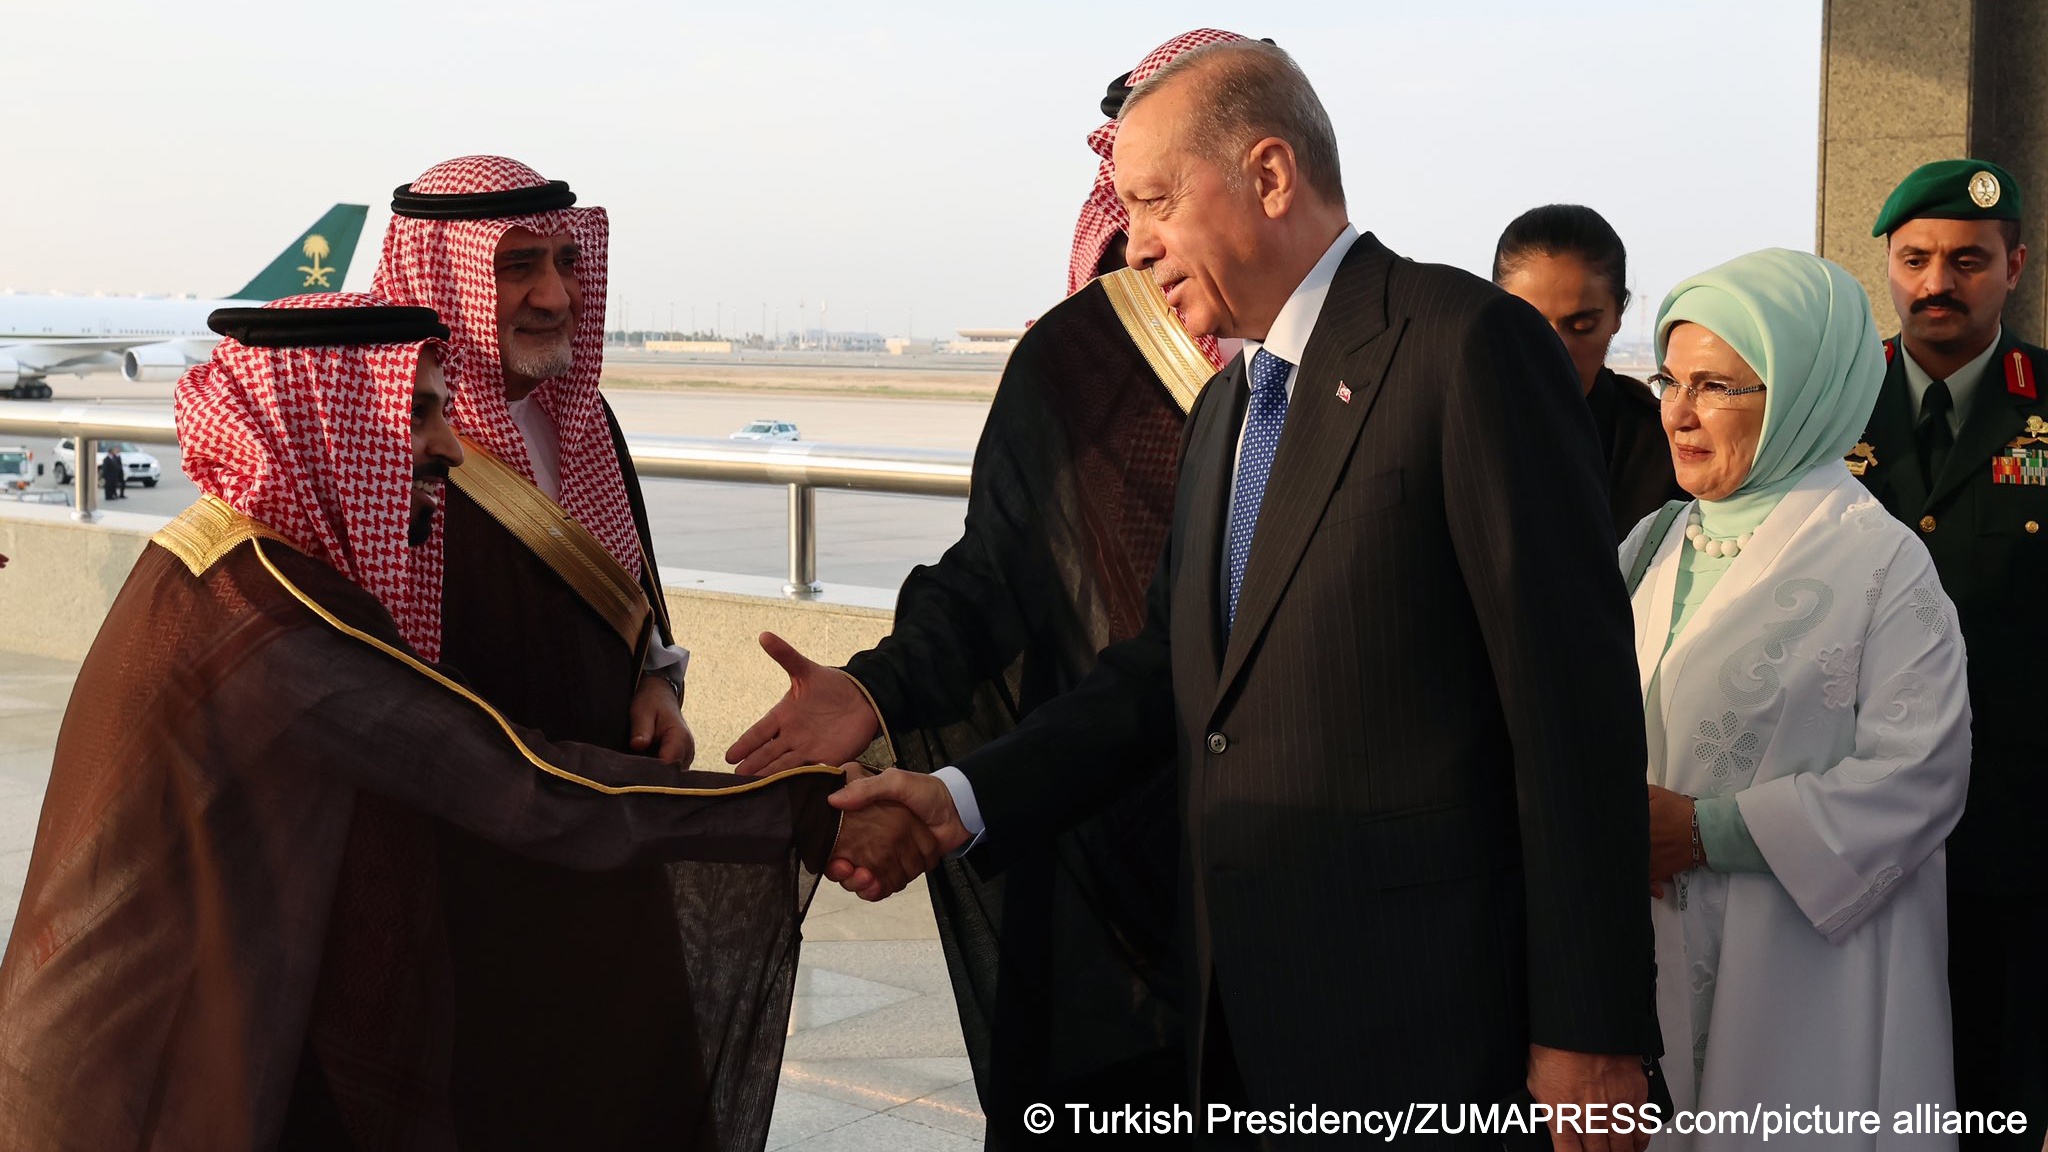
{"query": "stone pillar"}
[(2009, 124), (1904, 82)]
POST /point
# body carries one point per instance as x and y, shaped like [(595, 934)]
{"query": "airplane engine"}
[(152, 363), (10, 371)]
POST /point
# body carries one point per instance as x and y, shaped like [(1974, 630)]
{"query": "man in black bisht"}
[(1062, 957)]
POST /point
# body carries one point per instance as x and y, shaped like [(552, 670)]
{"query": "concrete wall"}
[(719, 618), (1904, 82), (63, 575)]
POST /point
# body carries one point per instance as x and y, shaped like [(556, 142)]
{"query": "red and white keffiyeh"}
[(316, 444), (450, 266), (1102, 214)]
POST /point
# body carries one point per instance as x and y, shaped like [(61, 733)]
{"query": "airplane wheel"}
[(44, 392)]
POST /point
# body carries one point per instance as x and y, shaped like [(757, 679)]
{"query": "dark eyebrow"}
[(521, 254), (1970, 250), (572, 251), (1585, 314)]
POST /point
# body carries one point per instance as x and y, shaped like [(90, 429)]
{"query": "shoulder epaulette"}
[(207, 531), (2019, 372)]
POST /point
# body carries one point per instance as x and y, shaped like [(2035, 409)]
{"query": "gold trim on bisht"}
[(533, 758), (561, 543), (207, 531), (1157, 331)]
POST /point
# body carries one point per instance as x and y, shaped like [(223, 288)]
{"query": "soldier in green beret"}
[(1958, 448)]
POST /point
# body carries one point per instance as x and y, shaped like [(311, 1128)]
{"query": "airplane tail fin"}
[(316, 262)]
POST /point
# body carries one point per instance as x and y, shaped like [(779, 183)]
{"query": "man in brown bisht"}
[(554, 614), (235, 933), (1062, 957)]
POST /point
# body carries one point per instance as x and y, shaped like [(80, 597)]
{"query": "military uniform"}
[(1984, 518)]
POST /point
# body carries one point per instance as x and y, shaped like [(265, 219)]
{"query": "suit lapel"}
[(1215, 447), (1351, 345), (1897, 471), (1996, 416)]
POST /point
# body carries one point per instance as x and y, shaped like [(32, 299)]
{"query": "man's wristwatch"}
[(673, 677)]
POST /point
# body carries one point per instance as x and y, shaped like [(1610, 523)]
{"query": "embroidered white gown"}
[(1822, 683)]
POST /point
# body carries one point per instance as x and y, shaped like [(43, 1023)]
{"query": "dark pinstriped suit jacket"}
[(1412, 775)]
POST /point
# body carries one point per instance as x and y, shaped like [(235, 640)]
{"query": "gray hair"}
[(1250, 90)]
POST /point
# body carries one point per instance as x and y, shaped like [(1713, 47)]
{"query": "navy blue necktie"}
[(1262, 424)]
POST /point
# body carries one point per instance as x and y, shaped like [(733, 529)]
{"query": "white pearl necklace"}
[(1696, 532)]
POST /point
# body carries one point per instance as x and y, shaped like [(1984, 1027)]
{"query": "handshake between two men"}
[(896, 825)]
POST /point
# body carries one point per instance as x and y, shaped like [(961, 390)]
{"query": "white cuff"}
[(662, 657), (963, 803)]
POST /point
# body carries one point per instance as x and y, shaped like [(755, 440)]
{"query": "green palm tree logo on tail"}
[(316, 273), (330, 244)]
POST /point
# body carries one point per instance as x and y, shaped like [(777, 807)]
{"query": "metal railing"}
[(804, 468), (87, 425), (800, 466)]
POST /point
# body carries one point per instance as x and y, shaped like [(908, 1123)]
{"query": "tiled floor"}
[(874, 1059)]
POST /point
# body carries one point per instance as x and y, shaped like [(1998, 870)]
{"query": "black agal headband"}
[(549, 197), (327, 327), (1120, 90)]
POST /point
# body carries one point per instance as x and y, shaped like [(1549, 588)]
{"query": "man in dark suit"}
[(111, 479), (1958, 447), (1389, 640)]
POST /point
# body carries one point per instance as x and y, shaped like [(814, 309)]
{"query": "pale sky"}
[(902, 162)]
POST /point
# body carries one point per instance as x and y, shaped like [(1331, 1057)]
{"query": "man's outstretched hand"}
[(824, 718), (876, 847)]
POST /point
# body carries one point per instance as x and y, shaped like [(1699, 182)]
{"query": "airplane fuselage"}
[(32, 319), (156, 338)]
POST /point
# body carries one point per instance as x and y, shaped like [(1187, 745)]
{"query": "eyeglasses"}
[(1708, 395)]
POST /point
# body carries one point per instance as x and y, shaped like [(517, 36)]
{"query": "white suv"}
[(140, 466)]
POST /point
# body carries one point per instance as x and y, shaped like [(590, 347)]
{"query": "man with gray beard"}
[(553, 613)]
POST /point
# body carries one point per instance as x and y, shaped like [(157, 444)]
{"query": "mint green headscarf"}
[(1804, 325)]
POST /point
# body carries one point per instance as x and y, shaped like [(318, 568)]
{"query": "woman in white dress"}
[(1808, 721)]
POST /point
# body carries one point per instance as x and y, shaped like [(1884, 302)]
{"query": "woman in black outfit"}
[(1567, 261)]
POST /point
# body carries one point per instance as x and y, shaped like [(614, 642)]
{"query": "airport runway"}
[(863, 539)]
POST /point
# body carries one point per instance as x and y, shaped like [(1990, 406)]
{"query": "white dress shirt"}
[(1287, 338), (543, 444)]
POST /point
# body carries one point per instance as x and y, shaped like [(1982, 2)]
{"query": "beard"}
[(536, 358), (420, 528)]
